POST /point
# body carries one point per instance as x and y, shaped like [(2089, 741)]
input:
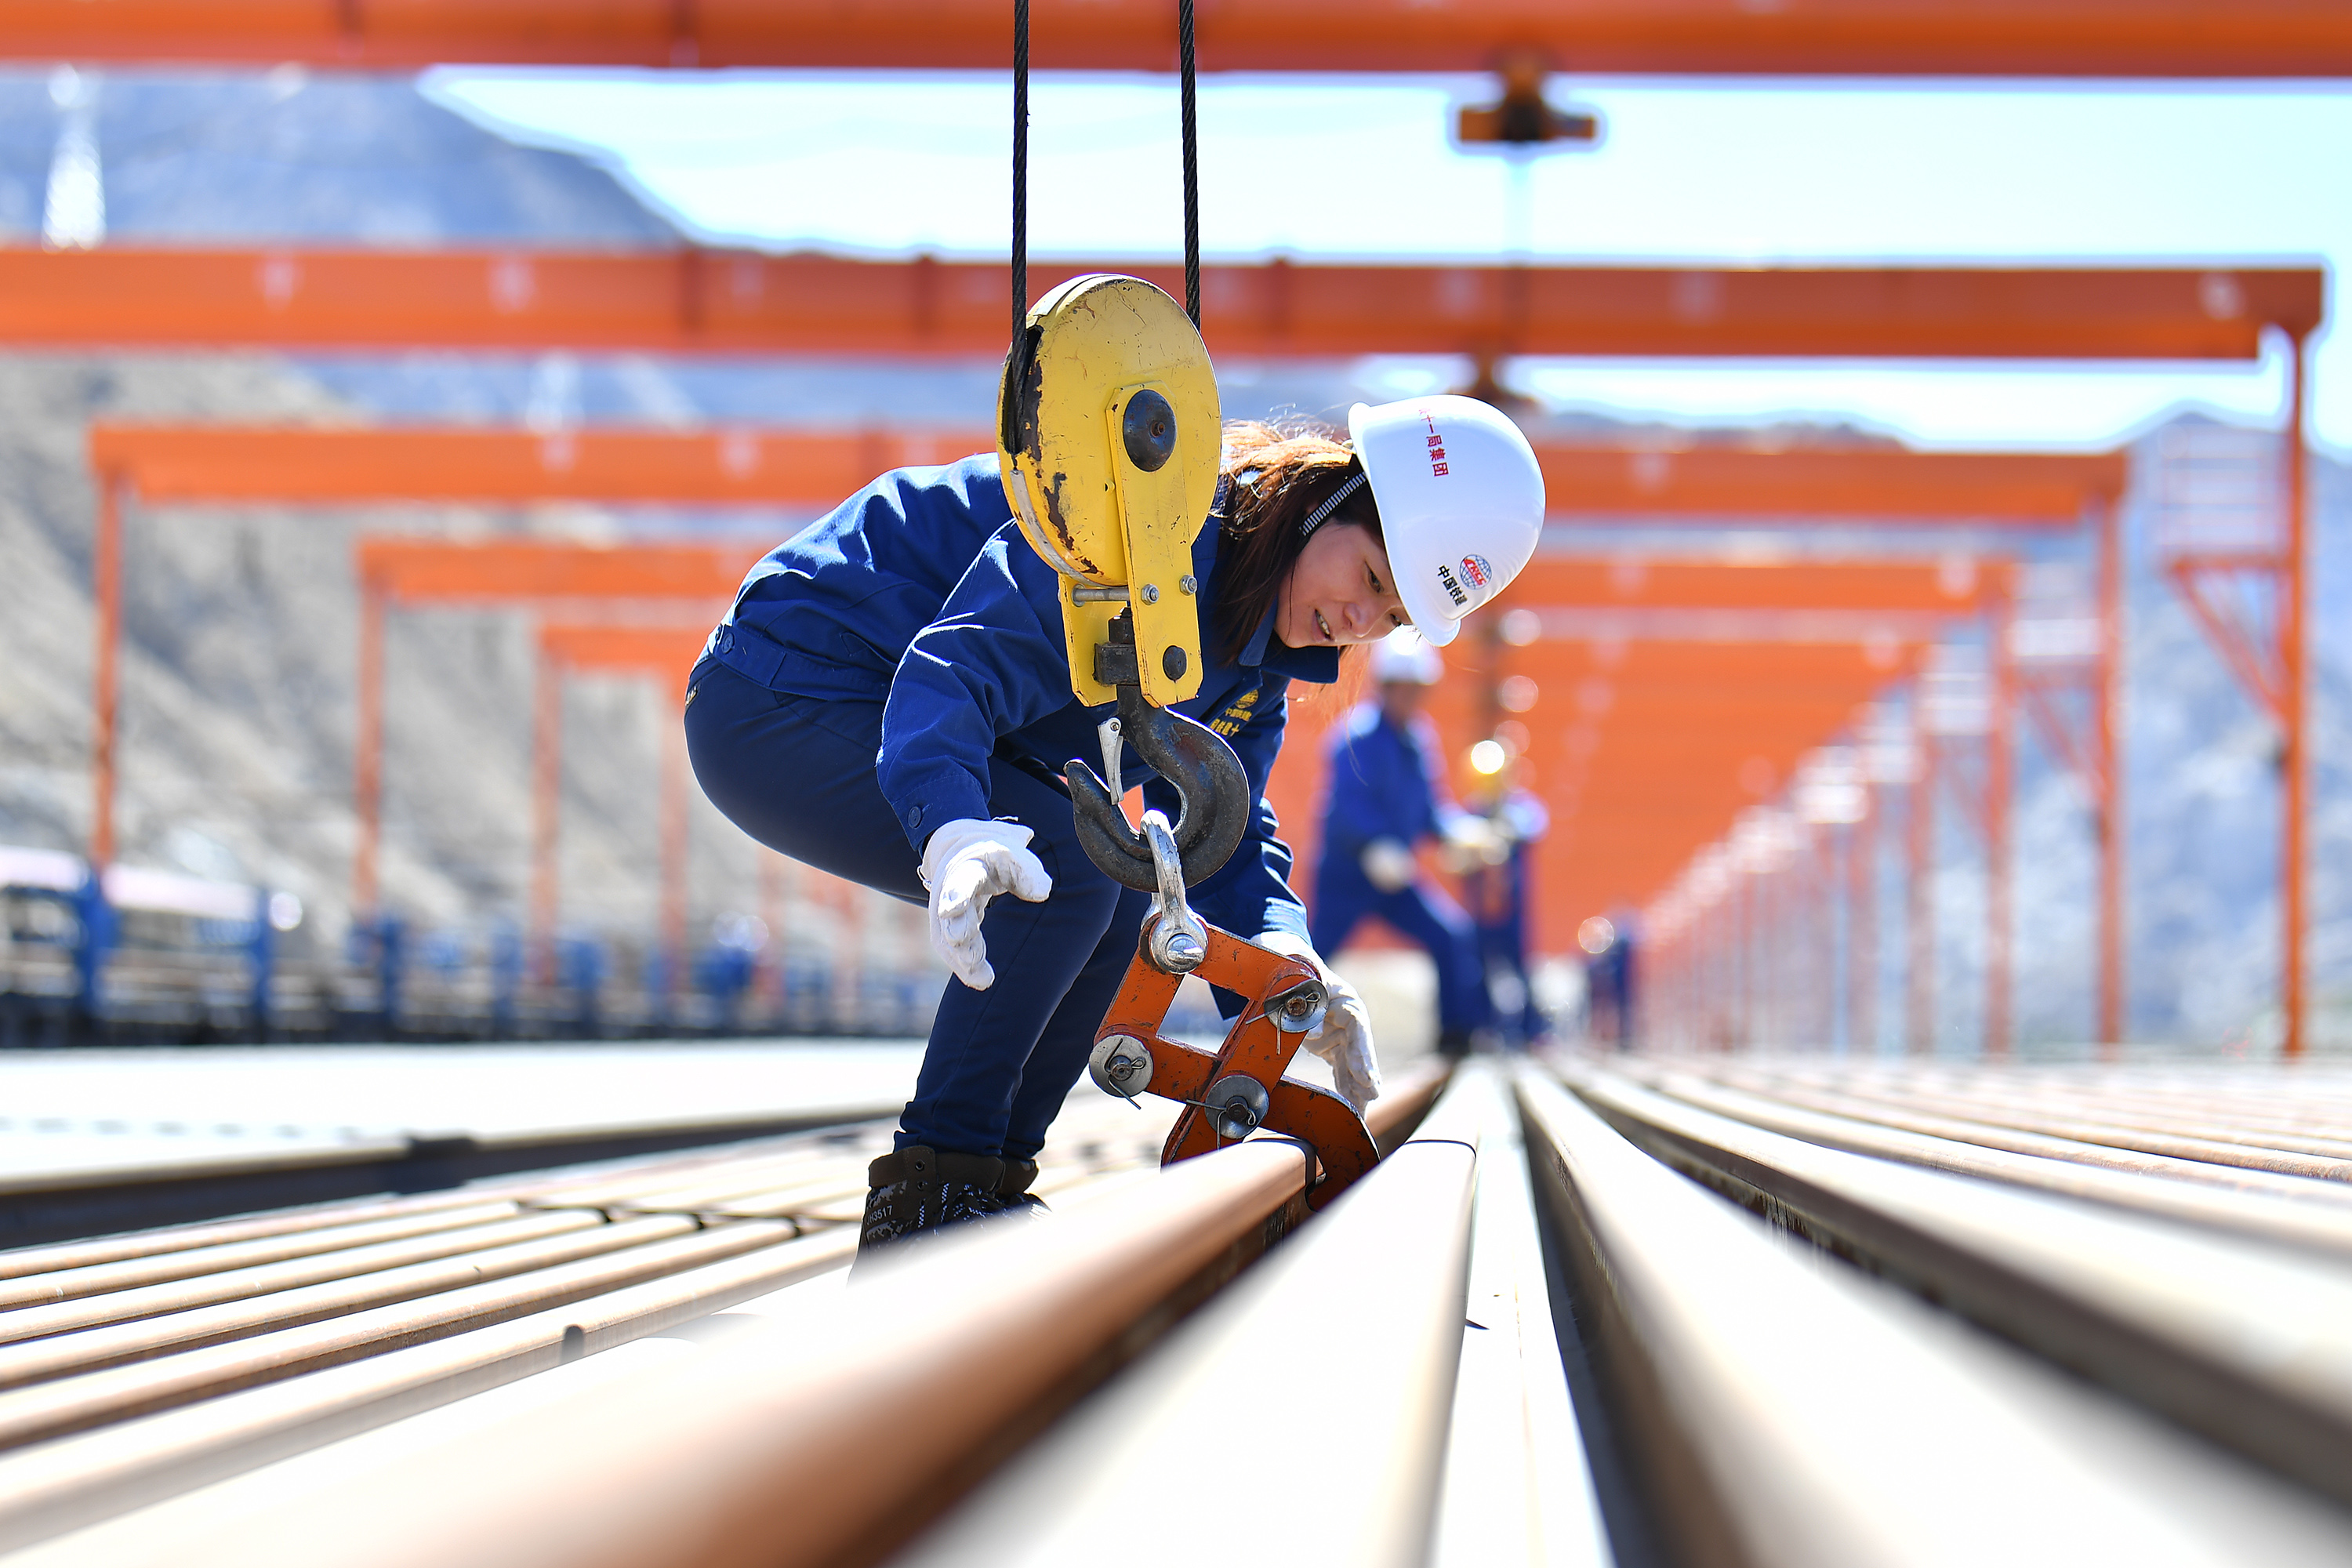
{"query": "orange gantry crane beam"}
[(1671, 37), (704, 302), (666, 653), (1880, 606), (294, 464), (1637, 747), (408, 572), (1638, 583), (209, 464), (404, 570)]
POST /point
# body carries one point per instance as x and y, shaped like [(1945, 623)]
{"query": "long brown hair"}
[(1276, 473)]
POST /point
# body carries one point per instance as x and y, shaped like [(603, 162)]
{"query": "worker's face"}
[(1339, 591), (1401, 699)]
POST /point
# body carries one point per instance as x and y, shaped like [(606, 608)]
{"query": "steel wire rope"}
[(1188, 75), (1020, 165)]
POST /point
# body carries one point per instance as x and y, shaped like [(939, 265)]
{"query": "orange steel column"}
[(546, 811), (1743, 968), (673, 862), (2108, 786), (1999, 764), (1862, 929), (105, 591), (367, 761), (2294, 653), (1920, 922)]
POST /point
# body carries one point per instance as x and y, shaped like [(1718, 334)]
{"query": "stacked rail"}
[(135, 1369), (2108, 1321), (1595, 1310)]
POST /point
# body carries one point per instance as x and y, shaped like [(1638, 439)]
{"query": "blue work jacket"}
[(1384, 783), (919, 592)]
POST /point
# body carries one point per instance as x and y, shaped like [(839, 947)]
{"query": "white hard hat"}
[(1461, 501), (1404, 655)]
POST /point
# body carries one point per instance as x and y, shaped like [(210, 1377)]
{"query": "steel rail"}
[(870, 1408), (269, 1279), (1964, 1129), (2004, 1110), (1786, 1412), (2294, 1221), (1518, 1485), (2236, 1340), (878, 1408), (89, 1399), (1382, 1276), (139, 1270), (2311, 1111), (2203, 1116), (193, 1326), (62, 1486), (290, 1230), (76, 1481)]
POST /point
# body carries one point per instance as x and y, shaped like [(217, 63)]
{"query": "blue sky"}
[(1360, 168)]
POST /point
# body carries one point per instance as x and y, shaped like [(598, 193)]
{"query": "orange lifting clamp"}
[(1238, 1088)]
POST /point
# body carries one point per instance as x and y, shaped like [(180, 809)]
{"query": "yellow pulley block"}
[(1108, 440)]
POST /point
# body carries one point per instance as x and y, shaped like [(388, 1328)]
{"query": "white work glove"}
[(1344, 1038), (967, 863), (1389, 864), (1472, 842)]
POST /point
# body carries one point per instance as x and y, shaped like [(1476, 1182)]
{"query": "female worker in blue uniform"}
[(890, 701), (1386, 794)]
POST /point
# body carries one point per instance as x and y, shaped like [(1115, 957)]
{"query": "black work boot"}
[(1013, 1194), (920, 1189)]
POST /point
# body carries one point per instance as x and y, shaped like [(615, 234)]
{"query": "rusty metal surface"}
[(1785, 1410), (869, 1408), (2290, 1218), (1382, 1278), (476, 1340), (2247, 1343)]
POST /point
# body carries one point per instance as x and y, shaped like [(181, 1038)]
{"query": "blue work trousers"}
[(1419, 913), (798, 774), (1505, 943)]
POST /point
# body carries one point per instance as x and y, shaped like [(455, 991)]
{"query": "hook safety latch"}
[(1207, 776)]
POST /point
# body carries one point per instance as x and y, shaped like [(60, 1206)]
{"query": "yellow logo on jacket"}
[(1236, 715)]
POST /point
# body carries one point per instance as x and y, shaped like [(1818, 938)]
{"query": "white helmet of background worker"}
[(1461, 501), (1404, 657)]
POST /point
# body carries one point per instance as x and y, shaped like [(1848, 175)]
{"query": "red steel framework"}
[(664, 654), (704, 302), (185, 464), (2273, 662), (2112, 39)]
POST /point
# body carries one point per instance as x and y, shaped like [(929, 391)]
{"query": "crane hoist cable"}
[(1108, 434)]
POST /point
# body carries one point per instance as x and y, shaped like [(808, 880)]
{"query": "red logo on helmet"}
[(1476, 569)]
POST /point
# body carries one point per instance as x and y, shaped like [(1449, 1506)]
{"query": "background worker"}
[(890, 701), (1387, 794), (1496, 884)]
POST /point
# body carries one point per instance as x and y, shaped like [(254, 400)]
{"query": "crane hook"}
[(1208, 779)]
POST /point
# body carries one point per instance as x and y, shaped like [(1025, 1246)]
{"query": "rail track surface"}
[(1714, 1311)]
